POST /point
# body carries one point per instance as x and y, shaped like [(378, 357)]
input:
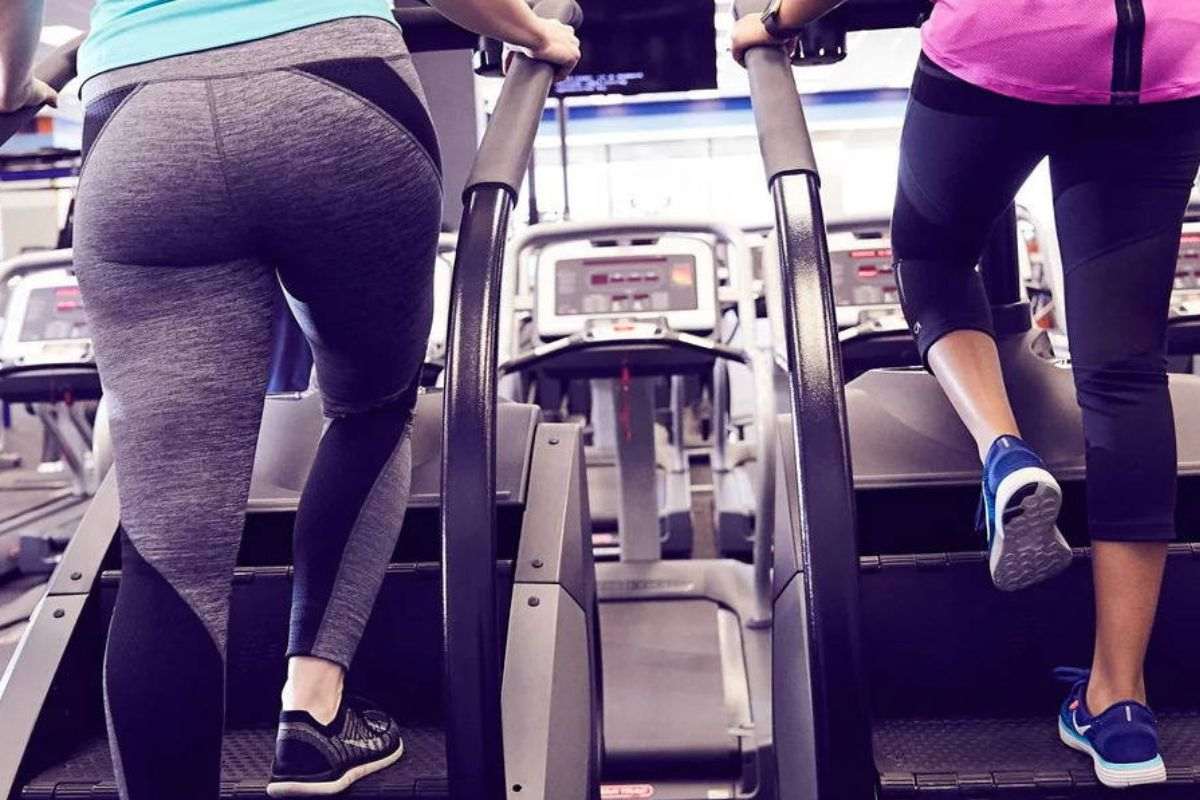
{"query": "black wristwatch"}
[(770, 21)]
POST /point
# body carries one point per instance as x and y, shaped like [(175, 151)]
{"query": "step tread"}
[(915, 756), (246, 765)]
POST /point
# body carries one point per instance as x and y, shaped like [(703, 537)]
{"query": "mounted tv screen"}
[(642, 46)]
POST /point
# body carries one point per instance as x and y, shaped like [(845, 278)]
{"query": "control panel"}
[(593, 286), (1185, 300), (54, 312), (865, 288), (579, 284), (864, 277), (45, 321)]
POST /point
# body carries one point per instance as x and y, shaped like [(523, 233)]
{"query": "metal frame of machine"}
[(552, 665), (899, 432)]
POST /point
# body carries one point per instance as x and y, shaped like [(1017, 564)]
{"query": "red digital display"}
[(66, 298), (883, 253)]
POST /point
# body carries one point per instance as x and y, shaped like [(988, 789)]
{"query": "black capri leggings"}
[(1122, 176)]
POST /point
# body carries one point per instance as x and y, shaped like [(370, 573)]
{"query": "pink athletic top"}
[(1070, 52)]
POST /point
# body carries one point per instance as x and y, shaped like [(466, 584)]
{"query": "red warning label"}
[(630, 791)]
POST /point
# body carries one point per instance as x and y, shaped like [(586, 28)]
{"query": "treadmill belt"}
[(982, 758), (246, 765), (665, 713)]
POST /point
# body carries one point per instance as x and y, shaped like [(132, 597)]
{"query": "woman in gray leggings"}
[(231, 147)]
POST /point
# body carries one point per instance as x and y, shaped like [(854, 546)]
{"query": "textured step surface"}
[(88, 772), (982, 758)]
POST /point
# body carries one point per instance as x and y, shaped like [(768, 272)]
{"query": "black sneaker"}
[(313, 760)]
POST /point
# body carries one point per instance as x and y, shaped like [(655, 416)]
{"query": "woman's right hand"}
[(748, 32), (557, 44), (32, 94), (514, 22)]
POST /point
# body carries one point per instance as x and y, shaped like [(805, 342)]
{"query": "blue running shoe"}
[(1122, 741), (1018, 512)]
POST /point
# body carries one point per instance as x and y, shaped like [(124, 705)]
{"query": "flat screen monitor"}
[(643, 46)]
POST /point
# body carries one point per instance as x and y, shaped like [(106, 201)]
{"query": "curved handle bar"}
[(504, 153), (782, 130)]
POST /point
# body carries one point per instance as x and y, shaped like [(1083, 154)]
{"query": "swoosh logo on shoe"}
[(1080, 729), (374, 743)]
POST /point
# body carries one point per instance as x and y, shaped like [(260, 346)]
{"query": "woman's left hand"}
[(34, 93), (749, 32)]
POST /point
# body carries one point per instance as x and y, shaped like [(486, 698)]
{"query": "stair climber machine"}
[(872, 333), (1183, 334), (46, 364), (434, 367), (514, 534), (1183, 329), (871, 326), (589, 280), (685, 643), (925, 680)]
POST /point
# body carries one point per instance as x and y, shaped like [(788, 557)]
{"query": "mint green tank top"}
[(126, 32)]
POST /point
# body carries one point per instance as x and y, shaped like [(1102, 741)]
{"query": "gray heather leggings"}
[(306, 160)]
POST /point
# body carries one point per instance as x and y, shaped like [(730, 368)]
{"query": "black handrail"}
[(823, 739), (474, 748), (1000, 267), (427, 30), (870, 15), (824, 41)]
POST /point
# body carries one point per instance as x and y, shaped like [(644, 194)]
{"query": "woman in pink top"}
[(1110, 91)]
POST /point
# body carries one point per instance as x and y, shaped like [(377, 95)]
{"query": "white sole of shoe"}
[(306, 789), (1027, 547), (1116, 776)]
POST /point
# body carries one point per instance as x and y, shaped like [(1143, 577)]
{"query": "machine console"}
[(45, 321), (579, 285), (865, 289), (1185, 300)]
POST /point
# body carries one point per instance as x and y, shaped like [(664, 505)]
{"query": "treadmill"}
[(587, 284), (925, 680), (685, 643), (872, 333), (719, 254), (516, 537), (46, 365), (1183, 332)]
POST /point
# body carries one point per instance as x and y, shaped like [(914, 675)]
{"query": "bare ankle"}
[(1103, 693), (314, 685), (985, 442)]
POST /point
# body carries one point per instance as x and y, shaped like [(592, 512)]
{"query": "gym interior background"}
[(637, 173)]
